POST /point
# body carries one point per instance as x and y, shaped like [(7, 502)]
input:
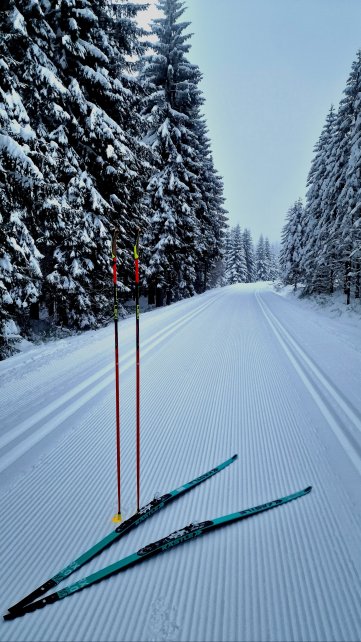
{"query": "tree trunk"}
[(151, 294), (159, 298), (34, 311), (357, 281), (347, 282), (205, 276), (331, 283)]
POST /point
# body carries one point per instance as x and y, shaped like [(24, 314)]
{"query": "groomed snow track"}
[(234, 370)]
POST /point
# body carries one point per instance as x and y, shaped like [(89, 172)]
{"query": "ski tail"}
[(145, 513), (34, 606), (174, 539)]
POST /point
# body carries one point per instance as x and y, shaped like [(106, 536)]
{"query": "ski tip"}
[(234, 457), (307, 490), (117, 518), (8, 616)]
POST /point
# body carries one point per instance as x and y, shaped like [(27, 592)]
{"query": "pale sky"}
[(272, 69)]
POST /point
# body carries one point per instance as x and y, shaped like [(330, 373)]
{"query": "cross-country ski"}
[(138, 518)]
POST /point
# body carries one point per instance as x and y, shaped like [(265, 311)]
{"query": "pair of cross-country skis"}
[(37, 599)]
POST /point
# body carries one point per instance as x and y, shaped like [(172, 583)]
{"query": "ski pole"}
[(118, 516), (136, 266)]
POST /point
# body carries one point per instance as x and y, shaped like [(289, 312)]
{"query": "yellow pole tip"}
[(117, 518)]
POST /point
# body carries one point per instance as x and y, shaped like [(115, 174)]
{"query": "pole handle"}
[(114, 242)]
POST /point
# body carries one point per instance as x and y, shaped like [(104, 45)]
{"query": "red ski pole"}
[(136, 265), (118, 516)]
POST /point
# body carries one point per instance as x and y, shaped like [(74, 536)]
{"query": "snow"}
[(11, 329), (18, 21), (333, 307), (93, 50), (5, 263), (50, 77), (96, 77), (239, 369), (18, 153)]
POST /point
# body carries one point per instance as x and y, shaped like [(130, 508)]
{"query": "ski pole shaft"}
[(136, 266), (117, 409)]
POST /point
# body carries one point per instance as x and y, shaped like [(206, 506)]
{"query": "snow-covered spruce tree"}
[(337, 192), (57, 217), (237, 259), (211, 215), (77, 172), (184, 236), (319, 261), (269, 258), (292, 245), (103, 184), (249, 255), (274, 272), (349, 202), (232, 272), (228, 255), (353, 204), (262, 261), (20, 176)]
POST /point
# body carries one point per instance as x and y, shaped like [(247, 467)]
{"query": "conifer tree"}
[(274, 272), (292, 245), (318, 260), (237, 265), (20, 272), (211, 215), (262, 263), (228, 255), (184, 195), (91, 50), (349, 203), (249, 255), (268, 258)]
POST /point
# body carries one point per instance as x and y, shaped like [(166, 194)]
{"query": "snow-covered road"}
[(235, 370)]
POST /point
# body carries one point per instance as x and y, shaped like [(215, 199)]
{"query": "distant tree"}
[(228, 255), (349, 203), (268, 258), (237, 264), (262, 260), (292, 245), (319, 260), (211, 215), (274, 272), (331, 247), (249, 255)]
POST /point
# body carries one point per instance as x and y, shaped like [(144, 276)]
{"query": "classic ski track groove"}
[(293, 575), (84, 392), (307, 369)]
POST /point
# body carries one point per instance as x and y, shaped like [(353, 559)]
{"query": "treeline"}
[(246, 264), (321, 241), (97, 133)]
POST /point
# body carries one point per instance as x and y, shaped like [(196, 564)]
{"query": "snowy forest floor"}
[(239, 369), (334, 306)]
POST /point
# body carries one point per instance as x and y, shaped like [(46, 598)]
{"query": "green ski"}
[(144, 513), (174, 539)]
